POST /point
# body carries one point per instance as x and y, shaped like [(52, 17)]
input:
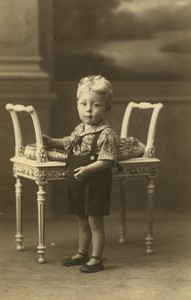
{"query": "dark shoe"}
[(75, 261), (92, 268)]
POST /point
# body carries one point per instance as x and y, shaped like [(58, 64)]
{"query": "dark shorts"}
[(92, 195)]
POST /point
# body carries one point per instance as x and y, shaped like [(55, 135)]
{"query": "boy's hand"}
[(81, 173)]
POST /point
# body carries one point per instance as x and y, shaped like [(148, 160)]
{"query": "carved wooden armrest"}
[(149, 148), (19, 148)]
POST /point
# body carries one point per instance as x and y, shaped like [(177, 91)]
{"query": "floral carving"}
[(39, 175), (136, 169)]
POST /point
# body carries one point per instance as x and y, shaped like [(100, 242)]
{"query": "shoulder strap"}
[(94, 144)]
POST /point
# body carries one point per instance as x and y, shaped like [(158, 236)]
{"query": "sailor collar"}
[(103, 124)]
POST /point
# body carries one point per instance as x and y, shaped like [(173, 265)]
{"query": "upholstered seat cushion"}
[(129, 147), (52, 154)]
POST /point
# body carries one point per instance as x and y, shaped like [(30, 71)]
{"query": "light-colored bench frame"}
[(145, 166), (42, 171)]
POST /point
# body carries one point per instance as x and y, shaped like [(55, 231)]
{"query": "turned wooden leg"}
[(149, 238), (122, 224), (18, 235), (41, 223)]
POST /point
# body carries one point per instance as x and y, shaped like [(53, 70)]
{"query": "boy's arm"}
[(84, 171), (52, 142), (57, 142)]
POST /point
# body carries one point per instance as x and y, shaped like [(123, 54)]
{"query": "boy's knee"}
[(96, 222)]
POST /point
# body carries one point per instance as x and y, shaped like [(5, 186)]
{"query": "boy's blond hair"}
[(96, 84)]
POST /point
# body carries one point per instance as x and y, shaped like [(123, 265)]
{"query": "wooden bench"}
[(42, 170)]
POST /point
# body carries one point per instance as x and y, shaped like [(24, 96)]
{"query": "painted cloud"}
[(123, 39)]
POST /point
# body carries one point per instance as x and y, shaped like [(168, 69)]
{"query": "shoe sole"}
[(73, 263), (92, 271)]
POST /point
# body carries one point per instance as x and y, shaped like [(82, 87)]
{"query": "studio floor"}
[(129, 273)]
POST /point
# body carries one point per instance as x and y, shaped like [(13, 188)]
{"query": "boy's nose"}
[(88, 108)]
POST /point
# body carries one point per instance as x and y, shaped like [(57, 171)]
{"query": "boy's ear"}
[(108, 107)]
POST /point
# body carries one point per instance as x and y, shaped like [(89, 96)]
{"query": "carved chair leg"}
[(149, 238), (122, 225), (41, 224), (18, 196)]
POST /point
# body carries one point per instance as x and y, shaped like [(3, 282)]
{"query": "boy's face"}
[(91, 108)]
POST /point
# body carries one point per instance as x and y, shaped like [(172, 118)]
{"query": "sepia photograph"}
[(95, 149)]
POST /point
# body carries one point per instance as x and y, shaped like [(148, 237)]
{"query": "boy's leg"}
[(84, 235), (98, 237), (81, 257)]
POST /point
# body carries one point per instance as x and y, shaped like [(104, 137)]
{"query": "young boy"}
[(92, 148)]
